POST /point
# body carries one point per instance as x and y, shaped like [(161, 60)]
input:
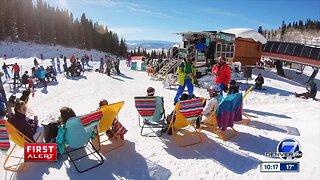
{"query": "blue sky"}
[(159, 19)]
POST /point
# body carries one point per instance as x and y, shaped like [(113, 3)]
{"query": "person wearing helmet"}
[(312, 91), (211, 104)]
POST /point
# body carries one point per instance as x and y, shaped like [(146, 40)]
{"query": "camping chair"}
[(76, 134), (228, 112), (110, 113), (186, 112), (19, 140), (4, 138), (151, 110), (247, 120)]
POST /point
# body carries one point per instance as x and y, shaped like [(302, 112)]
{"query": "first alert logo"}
[(40, 152)]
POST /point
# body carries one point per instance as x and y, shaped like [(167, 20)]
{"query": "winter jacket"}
[(259, 80), (313, 91), (4, 67), (222, 74), (233, 90), (19, 121), (40, 73), (211, 105), (182, 73), (24, 79), (16, 68)]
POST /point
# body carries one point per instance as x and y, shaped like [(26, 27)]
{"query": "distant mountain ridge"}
[(149, 44)]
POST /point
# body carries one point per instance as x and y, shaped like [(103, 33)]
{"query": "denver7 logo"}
[(289, 149)]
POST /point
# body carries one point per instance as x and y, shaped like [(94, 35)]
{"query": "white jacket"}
[(211, 105)]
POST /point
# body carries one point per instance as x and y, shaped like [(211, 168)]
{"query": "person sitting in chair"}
[(20, 121), (183, 97), (115, 124), (311, 91), (159, 104), (211, 104), (233, 87), (259, 81), (51, 127)]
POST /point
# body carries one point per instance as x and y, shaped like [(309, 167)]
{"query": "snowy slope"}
[(276, 114)]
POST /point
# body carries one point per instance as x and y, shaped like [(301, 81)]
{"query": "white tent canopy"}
[(247, 33)]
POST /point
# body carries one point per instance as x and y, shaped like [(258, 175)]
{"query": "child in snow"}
[(259, 81)]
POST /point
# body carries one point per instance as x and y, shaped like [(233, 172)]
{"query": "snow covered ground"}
[(275, 113)]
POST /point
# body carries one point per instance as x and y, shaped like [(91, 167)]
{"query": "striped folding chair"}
[(150, 110), (4, 138), (76, 134), (186, 113)]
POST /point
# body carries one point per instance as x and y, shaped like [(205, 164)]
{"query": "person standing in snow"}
[(186, 77), (35, 62), (108, 66), (58, 65), (16, 73), (53, 63), (117, 64), (5, 70), (222, 74), (129, 61)]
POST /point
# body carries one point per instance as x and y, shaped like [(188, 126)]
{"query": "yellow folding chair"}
[(247, 120), (110, 113), (186, 113), (19, 140), (211, 124)]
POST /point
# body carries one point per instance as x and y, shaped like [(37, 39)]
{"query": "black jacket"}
[(313, 91), (19, 121), (233, 90), (260, 79)]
